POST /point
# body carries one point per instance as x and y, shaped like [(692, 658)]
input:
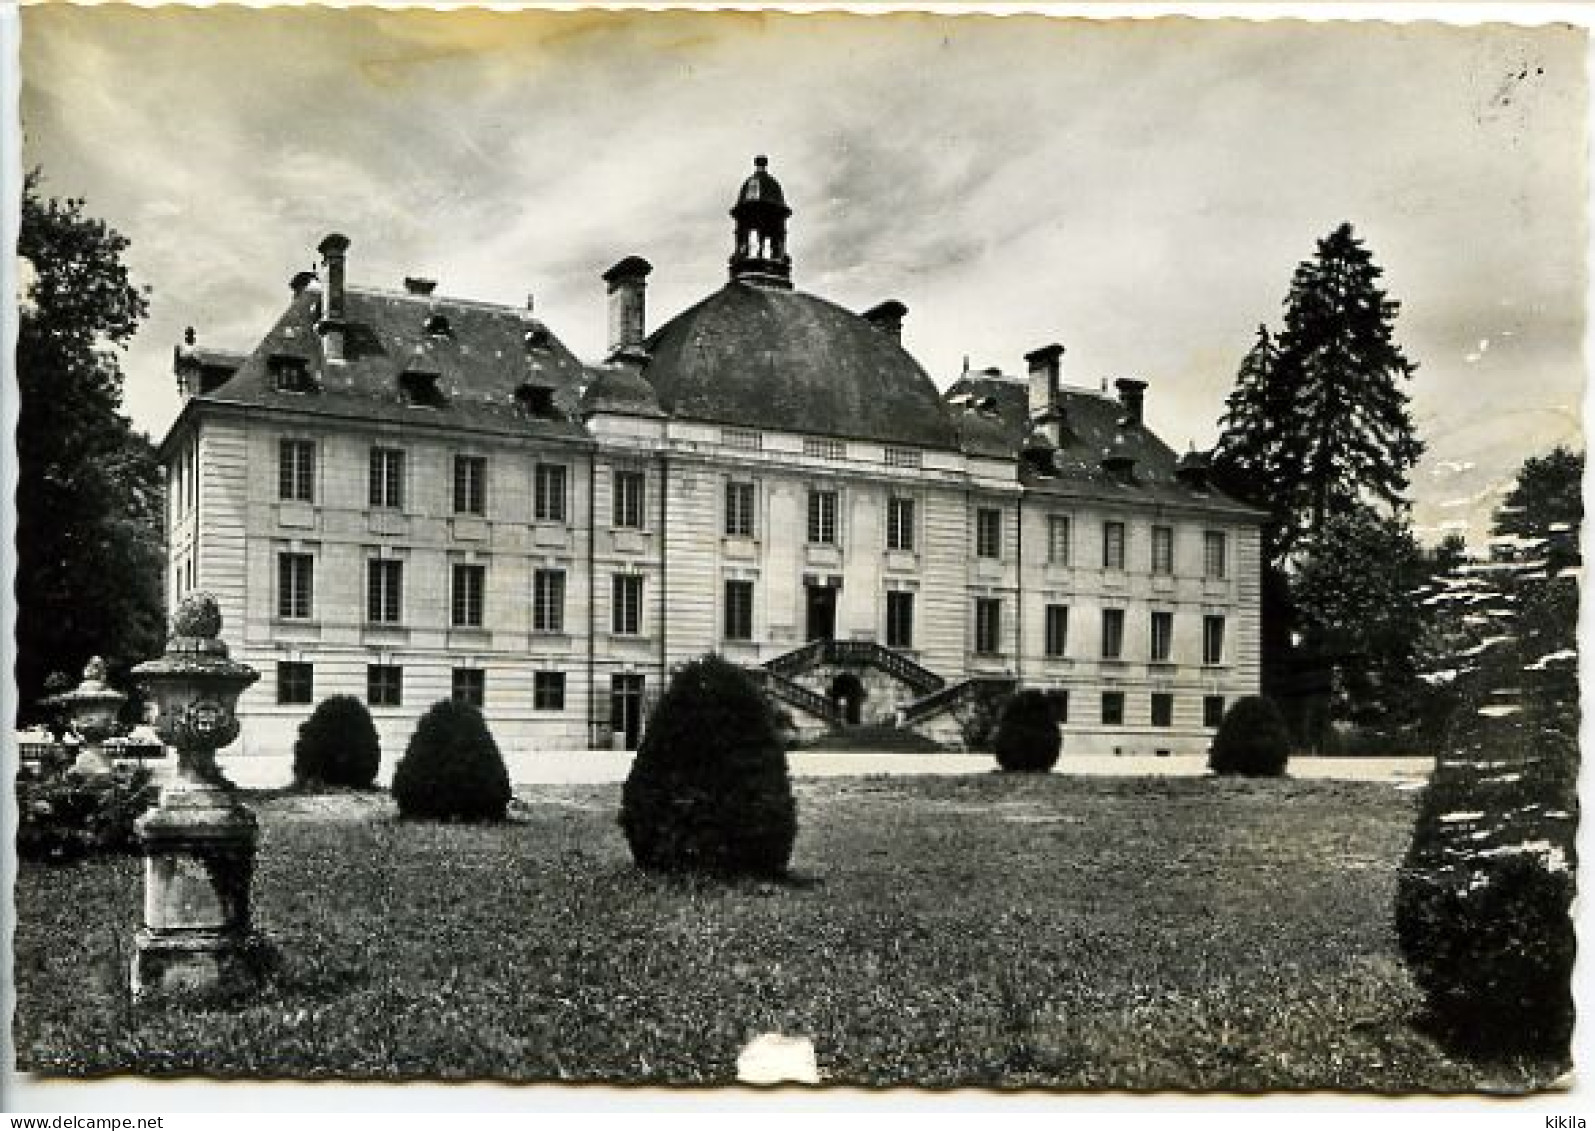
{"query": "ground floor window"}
[(295, 682), (1162, 709), (385, 685), (470, 686), (548, 691), (1113, 708), (1212, 711), (1059, 698)]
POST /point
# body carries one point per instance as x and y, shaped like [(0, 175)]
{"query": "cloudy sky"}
[(1138, 190)]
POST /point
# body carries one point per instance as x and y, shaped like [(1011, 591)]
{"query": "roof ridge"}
[(436, 299)]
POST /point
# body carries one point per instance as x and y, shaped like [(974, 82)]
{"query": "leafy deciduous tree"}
[(89, 495)]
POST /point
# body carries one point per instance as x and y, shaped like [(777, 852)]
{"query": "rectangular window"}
[(825, 449), (1162, 709), (739, 510), (988, 532), (548, 601), (1162, 643), (295, 682), (548, 495), (743, 438), (465, 605), (548, 691), (739, 610), (470, 686), (822, 517), (1212, 711), (1112, 634), (291, 374), (1215, 555), (1113, 545), (626, 610), (630, 487), (903, 457), (1163, 550), (1059, 535), (385, 591), (1212, 640), (385, 685), (899, 523), (899, 619), (296, 471), (295, 581), (387, 478), (1113, 708), (470, 485), (1060, 704), (1057, 630), (988, 625)]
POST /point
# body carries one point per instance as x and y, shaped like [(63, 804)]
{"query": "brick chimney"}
[(1045, 374), (887, 317), (334, 252), (628, 321), (1132, 395)]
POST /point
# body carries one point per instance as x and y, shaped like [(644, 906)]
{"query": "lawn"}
[(990, 930)]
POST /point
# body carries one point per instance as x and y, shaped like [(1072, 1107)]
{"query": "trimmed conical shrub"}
[(708, 791), (451, 769), (1252, 740), (1028, 739), (337, 745)]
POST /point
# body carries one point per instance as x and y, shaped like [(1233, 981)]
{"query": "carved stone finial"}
[(189, 337), (94, 671), (197, 616)]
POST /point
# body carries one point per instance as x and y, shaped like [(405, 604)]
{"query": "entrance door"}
[(625, 707), (821, 612)]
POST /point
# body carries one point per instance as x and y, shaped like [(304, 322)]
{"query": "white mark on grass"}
[(1449, 817), (772, 1058)]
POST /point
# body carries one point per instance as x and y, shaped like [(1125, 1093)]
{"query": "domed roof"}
[(761, 357), (761, 188)]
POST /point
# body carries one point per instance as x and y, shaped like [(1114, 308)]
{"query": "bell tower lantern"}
[(759, 253)]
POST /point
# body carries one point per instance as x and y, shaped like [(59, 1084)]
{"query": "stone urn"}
[(91, 709), (199, 839)]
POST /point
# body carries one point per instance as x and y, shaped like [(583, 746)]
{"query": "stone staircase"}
[(952, 695), (918, 678)]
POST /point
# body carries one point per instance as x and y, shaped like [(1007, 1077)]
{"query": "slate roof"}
[(488, 353), (761, 357), (1091, 427), (621, 390)]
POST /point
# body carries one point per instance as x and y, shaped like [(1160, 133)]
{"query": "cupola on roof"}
[(759, 254), (759, 354)]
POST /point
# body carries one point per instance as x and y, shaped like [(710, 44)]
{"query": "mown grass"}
[(1000, 931)]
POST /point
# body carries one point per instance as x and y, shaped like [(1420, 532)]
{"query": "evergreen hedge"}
[(452, 769), (1028, 739), (1252, 740), (337, 745), (708, 791)]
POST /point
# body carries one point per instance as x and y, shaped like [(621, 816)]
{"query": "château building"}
[(404, 496)]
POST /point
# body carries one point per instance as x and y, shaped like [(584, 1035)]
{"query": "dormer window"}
[(290, 374), (537, 336), (420, 389), (437, 326), (535, 400)]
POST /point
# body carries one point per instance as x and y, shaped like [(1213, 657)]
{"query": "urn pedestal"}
[(199, 840)]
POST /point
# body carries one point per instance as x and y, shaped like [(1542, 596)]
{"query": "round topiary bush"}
[(337, 745), (1252, 740), (708, 791), (452, 769), (1028, 739)]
